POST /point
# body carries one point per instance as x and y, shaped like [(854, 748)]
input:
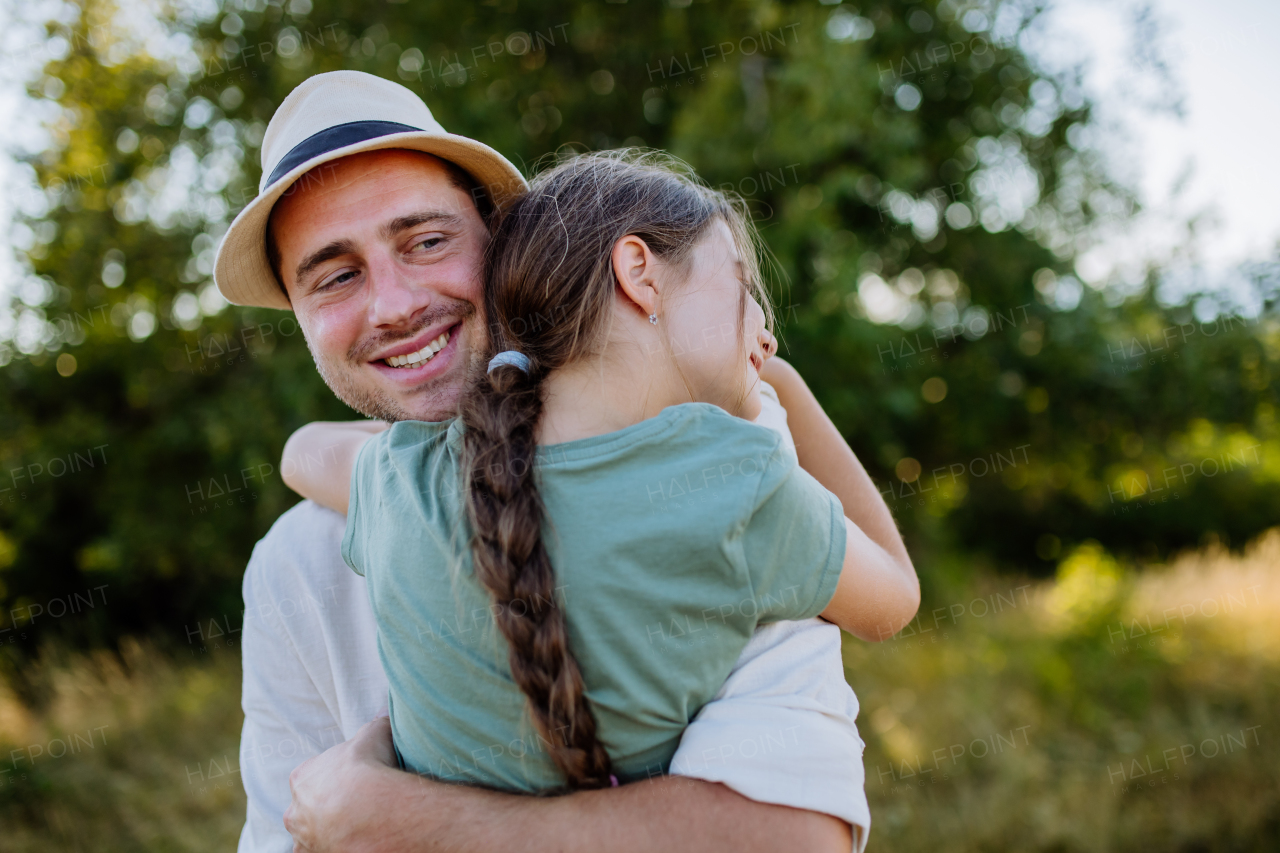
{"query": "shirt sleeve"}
[(286, 720), (782, 729), (794, 543), (364, 482), (310, 661)]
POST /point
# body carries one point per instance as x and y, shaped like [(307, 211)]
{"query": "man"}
[(371, 226)]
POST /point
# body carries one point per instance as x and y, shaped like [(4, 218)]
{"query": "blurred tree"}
[(922, 185)]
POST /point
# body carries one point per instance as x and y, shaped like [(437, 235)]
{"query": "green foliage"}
[(839, 141)]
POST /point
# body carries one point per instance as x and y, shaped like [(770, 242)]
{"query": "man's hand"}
[(334, 794)]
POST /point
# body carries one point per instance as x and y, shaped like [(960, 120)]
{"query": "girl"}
[(565, 574)]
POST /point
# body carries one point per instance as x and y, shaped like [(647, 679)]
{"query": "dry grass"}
[(1048, 704), (114, 759), (1008, 719)]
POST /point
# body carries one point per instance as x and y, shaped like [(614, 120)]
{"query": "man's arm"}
[(350, 799), (878, 592)]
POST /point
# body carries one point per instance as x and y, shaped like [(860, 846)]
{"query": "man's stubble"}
[(435, 400)]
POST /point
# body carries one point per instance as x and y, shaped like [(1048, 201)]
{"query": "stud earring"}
[(653, 318)]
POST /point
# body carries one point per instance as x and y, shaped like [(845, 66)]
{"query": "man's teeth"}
[(421, 356)]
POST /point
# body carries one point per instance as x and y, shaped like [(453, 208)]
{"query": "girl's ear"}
[(636, 269)]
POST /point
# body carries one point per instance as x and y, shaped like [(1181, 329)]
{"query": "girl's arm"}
[(878, 592), (319, 457)]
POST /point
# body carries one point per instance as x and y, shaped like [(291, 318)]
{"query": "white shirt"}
[(781, 730)]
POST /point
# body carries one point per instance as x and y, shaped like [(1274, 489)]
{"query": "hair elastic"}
[(511, 357)]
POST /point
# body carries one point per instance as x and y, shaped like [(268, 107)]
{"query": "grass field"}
[(1100, 712)]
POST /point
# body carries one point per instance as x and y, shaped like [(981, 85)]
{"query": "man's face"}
[(381, 256)]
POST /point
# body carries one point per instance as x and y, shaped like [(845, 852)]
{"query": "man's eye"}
[(341, 278), (428, 243)]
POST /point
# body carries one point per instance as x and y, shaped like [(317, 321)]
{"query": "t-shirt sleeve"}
[(794, 542), (363, 501)]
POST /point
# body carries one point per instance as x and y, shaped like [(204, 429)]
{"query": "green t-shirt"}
[(671, 540)]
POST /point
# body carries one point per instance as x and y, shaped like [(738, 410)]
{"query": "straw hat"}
[(329, 116)]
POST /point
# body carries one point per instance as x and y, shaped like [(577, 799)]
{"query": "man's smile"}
[(425, 356)]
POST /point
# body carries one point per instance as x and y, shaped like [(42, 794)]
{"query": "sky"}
[(1224, 58), (1221, 151)]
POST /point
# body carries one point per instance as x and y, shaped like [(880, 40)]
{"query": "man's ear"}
[(636, 269)]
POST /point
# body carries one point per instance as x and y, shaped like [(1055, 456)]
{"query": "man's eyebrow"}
[(336, 249), (413, 220), (388, 230)]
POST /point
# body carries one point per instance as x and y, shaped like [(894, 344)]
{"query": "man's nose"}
[(395, 299)]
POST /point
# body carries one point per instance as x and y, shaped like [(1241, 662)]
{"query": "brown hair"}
[(548, 294)]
